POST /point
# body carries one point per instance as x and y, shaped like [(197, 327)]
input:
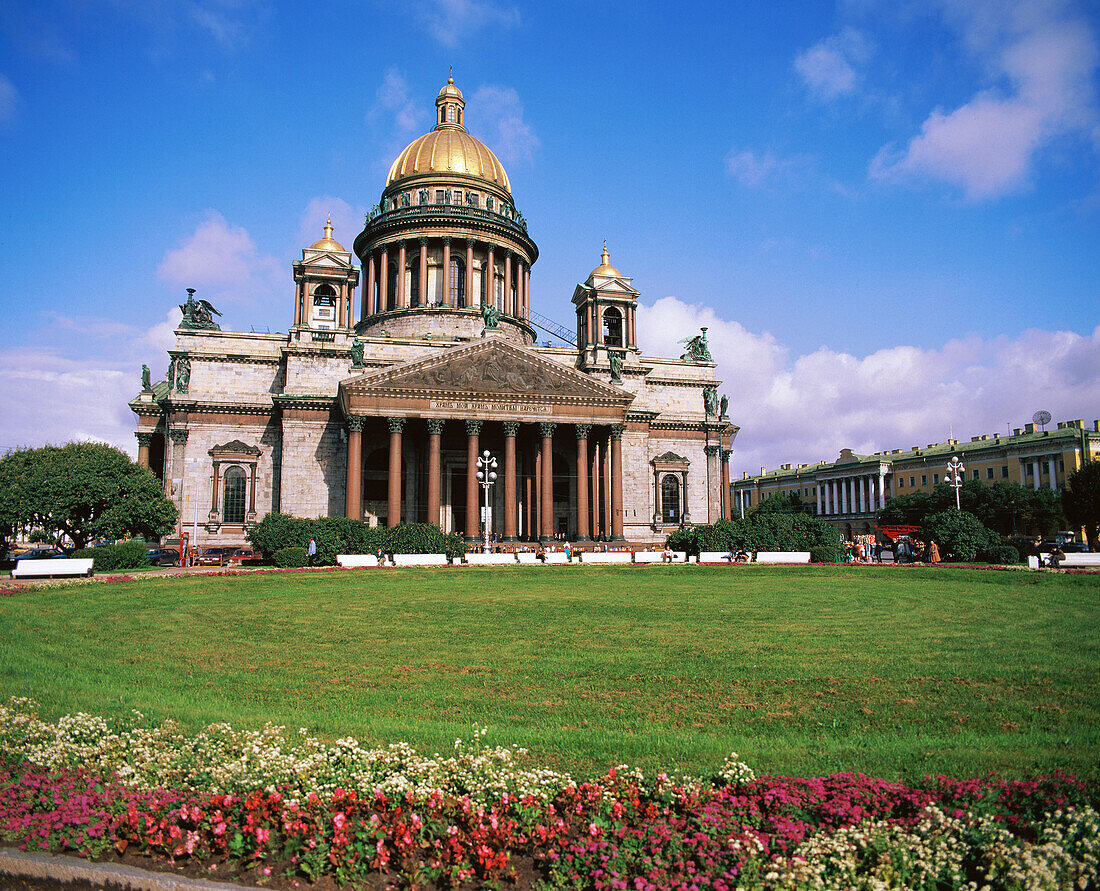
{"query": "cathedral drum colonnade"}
[(376, 408)]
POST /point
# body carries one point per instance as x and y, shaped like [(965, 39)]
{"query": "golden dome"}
[(605, 267), (328, 243), (448, 148)]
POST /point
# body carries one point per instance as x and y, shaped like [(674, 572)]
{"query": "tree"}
[(781, 503), (1006, 508), (84, 490), (960, 535), (1081, 500)]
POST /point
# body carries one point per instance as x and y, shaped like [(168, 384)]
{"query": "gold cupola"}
[(328, 243)]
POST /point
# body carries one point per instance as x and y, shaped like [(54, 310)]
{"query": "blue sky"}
[(887, 214)]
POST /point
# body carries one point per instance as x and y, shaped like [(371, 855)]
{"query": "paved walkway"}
[(24, 869)]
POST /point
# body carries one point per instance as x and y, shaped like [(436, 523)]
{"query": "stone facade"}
[(379, 418)]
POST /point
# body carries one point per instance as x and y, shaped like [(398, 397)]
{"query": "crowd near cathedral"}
[(400, 370)]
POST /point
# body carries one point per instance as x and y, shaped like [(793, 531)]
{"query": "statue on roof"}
[(357, 354), (183, 374), (723, 405), (490, 315), (710, 400), (615, 360), (146, 386), (697, 349), (198, 314)]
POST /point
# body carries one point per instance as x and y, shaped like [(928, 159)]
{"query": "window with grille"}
[(670, 499), (233, 503), (458, 283)]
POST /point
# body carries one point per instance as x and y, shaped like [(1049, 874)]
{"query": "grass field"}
[(893, 672)]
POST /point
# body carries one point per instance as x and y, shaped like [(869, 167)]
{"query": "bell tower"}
[(606, 311), (326, 281)]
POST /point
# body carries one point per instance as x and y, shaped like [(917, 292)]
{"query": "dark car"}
[(41, 554), (214, 556), (163, 556), (244, 557)]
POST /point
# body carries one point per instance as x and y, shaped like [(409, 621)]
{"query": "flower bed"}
[(285, 806)]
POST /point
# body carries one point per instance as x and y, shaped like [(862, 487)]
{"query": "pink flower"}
[(339, 820)]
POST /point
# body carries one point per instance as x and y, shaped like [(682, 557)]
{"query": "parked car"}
[(214, 556), (244, 557), (163, 556), (41, 554)]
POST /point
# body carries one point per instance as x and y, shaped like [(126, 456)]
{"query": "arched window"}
[(457, 283), (513, 302), (450, 114), (613, 327), (233, 502), (670, 499), (325, 295), (391, 287), (414, 280)]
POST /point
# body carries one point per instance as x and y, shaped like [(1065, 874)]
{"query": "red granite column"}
[(582, 481), (594, 489), (511, 428), (489, 277), (384, 280), (508, 309), (252, 492), (435, 469), (393, 510), (145, 439), (537, 524), (214, 489), (368, 293), (617, 482), (402, 297), (424, 301), (727, 506), (353, 498), (445, 297), (473, 428), (605, 487), (470, 272), (547, 508)]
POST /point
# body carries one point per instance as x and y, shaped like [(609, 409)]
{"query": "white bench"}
[(420, 560), (1072, 561), (782, 556), (529, 557), (715, 557), (659, 556), (60, 566), (605, 556), (480, 559), (356, 561)]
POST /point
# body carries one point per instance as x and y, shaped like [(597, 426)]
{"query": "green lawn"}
[(891, 671)]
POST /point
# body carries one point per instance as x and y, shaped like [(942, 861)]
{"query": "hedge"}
[(109, 558), (763, 532), (340, 535), (291, 558)]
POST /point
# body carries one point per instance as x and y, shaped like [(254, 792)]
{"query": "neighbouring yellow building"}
[(849, 491)]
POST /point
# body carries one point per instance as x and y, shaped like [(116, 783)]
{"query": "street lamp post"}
[(486, 476), (955, 476)]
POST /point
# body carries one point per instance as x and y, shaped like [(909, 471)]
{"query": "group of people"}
[(914, 550)]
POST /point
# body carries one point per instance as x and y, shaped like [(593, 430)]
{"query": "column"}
[(528, 507), (547, 509), (817, 494), (594, 488), (145, 439), (353, 496), (536, 526), (297, 303), (881, 490), (424, 301), (711, 451), (685, 514), (1052, 466), (727, 512), (383, 280), (511, 533), (521, 296), (435, 469), (630, 332), (859, 490), (393, 509), (605, 487), (1035, 473), (582, 481), (658, 511), (445, 298), (508, 309), (617, 431), (252, 493), (402, 297), (368, 294), (470, 272), (489, 277), (214, 489), (473, 428), (844, 496)]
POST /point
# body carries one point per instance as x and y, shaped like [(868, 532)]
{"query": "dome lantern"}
[(449, 106)]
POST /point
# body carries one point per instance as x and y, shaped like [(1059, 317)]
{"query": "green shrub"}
[(339, 535), (959, 535), (1004, 553), (763, 531), (289, 558), (112, 558)]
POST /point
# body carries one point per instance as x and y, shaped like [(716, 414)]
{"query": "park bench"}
[(658, 557), (58, 567), (605, 556), (782, 556), (551, 557), (715, 557), (475, 558), (1072, 561), (356, 561), (420, 560)]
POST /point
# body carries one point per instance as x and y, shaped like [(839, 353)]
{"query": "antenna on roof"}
[(1042, 418)]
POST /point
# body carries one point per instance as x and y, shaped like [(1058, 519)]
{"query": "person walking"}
[(311, 551)]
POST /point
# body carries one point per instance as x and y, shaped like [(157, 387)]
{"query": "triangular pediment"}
[(324, 258), (492, 367)]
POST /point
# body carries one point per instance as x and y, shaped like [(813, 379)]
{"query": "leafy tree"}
[(83, 490), (960, 535), (781, 503), (763, 532), (1081, 500), (1006, 508)]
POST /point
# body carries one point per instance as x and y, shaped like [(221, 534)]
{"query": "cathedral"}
[(378, 408)]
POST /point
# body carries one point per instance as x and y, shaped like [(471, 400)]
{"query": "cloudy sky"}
[(887, 214)]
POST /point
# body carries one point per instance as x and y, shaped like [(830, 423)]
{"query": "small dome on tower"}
[(605, 267), (328, 243), (450, 90)]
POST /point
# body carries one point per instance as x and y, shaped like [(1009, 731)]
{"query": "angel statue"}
[(146, 386), (710, 400), (697, 349), (198, 313), (615, 360), (490, 315), (357, 354), (725, 403)]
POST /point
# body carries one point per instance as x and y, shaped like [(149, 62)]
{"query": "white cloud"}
[(756, 169), (347, 221), (9, 100), (222, 261), (802, 409), (497, 116), (1041, 62), (451, 21), (393, 98), (829, 68)]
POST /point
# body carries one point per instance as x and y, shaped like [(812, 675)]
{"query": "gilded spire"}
[(605, 258), (328, 227)]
